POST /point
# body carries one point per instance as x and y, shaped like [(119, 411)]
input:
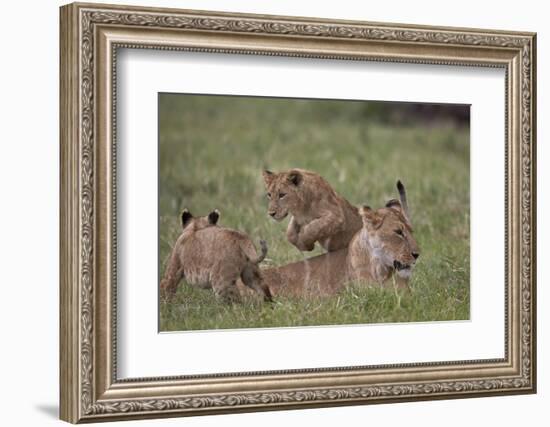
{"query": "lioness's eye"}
[(399, 231), (281, 195)]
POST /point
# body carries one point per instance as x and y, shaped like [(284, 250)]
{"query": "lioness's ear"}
[(397, 205), (214, 216), (366, 212), (268, 176), (403, 198), (394, 203), (295, 177), (185, 218), (370, 217)]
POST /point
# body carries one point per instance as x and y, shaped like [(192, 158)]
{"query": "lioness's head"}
[(189, 222), (283, 192), (389, 235)]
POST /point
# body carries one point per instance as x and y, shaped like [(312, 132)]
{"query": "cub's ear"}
[(186, 216), (295, 177), (214, 216), (370, 217), (268, 176)]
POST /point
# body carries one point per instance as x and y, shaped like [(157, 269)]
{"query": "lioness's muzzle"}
[(400, 266)]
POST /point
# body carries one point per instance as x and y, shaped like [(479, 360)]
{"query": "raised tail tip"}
[(263, 249), (263, 246)]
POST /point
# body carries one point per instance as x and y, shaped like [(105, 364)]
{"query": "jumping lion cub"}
[(209, 256), (319, 214)]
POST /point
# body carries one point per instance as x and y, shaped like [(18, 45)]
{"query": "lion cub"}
[(209, 256), (319, 214)]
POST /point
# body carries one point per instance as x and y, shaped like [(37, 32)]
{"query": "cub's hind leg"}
[(226, 291), (224, 283), (172, 276)]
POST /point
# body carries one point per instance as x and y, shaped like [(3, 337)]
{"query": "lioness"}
[(209, 256), (383, 249), (319, 214)]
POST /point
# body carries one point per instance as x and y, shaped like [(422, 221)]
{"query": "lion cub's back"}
[(225, 244)]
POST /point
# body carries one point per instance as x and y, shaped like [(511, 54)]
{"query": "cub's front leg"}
[(321, 228), (293, 234), (304, 244), (292, 231)]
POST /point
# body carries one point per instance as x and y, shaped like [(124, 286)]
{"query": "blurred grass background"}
[(212, 150)]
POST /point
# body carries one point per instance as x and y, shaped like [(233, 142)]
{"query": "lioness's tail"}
[(261, 257), (403, 198)]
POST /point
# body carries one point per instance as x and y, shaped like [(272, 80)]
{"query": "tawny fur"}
[(209, 256), (383, 252), (318, 213)]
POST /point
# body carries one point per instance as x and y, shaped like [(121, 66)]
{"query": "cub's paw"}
[(305, 246)]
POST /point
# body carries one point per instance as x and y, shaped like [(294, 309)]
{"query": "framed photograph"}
[(265, 212)]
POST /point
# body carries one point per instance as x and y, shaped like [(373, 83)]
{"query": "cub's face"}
[(390, 237), (283, 193)]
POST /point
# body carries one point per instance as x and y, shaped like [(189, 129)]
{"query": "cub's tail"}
[(263, 253)]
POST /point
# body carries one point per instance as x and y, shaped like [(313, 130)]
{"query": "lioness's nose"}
[(272, 214), (415, 255)]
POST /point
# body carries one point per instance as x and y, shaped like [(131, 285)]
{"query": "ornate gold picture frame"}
[(91, 34)]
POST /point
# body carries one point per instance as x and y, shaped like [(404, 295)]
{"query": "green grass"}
[(213, 149)]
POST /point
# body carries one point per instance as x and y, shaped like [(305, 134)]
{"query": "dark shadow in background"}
[(403, 113)]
